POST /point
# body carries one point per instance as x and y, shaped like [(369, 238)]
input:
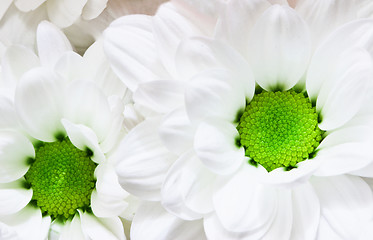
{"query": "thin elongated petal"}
[(4, 7), (279, 59), (27, 5), (72, 230), (93, 8), (152, 219), (65, 13), (13, 197)]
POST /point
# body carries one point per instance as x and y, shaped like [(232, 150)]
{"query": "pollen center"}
[(279, 129), (62, 178)]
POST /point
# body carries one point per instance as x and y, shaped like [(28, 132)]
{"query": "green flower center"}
[(62, 178), (279, 129)]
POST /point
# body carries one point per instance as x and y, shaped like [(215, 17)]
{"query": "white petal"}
[(143, 161), (354, 35), (28, 5), (16, 61), (130, 48), (161, 96), (177, 132), (317, 13), (306, 213), (196, 55), (72, 230), (70, 66), (214, 93), (87, 105), (101, 228), (187, 190), (28, 223), (215, 145), (346, 202), (93, 8), (52, 43), (242, 204), (13, 197), (83, 137), (4, 5), (108, 199), (8, 117), (7, 233), (236, 16), (64, 13), (278, 58), (282, 224), (152, 222), (339, 102), (15, 150)]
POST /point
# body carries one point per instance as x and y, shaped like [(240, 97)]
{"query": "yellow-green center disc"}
[(279, 129)]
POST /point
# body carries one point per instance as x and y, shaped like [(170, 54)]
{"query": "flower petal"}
[(101, 228), (72, 230), (15, 150), (187, 191), (279, 59), (151, 220), (83, 137), (143, 161), (108, 199), (4, 5), (317, 13), (252, 206), (70, 66), (346, 202), (235, 17), (306, 213), (52, 43), (215, 145), (8, 117), (13, 197), (27, 5), (93, 8), (161, 96), (28, 223), (177, 132), (130, 48), (65, 13)]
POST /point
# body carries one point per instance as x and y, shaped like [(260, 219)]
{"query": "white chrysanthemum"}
[(60, 108), (311, 79)]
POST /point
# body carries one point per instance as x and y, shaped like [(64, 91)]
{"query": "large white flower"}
[(62, 119), (264, 120)]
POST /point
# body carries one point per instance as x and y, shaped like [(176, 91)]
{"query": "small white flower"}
[(200, 87)]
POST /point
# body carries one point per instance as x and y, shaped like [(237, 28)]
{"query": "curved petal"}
[(236, 16), (161, 96), (51, 42), (65, 13), (108, 199), (72, 230), (83, 137), (28, 223), (215, 145), (8, 117), (86, 104), (70, 66), (13, 197), (143, 161), (279, 59), (177, 132), (151, 220), (252, 206), (317, 13), (187, 191), (27, 5), (93, 8), (101, 228), (214, 93), (4, 5), (306, 213), (15, 150), (354, 35), (131, 50), (39, 103), (346, 202)]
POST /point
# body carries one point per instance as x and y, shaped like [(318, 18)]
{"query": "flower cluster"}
[(185, 119)]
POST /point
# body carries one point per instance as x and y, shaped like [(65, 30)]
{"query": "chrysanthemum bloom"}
[(59, 132), (264, 121)]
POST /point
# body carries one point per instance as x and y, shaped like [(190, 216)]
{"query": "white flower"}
[(212, 81), (61, 122)]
